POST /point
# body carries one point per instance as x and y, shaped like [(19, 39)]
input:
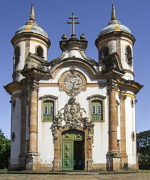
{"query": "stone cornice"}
[(115, 34), (96, 96), (73, 43), (48, 97), (130, 85), (12, 87), (27, 35)]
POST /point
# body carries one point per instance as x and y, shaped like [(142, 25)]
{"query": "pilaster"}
[(33, 158), (23, 131), (113, 157), (124, 157)]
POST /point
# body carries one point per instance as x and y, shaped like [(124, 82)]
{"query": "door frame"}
[(68, 148), (88, 141)]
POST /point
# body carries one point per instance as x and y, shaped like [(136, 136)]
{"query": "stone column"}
[(22, 132), (57, 164), (33, 161), (124, 157), (112, 122), (113, 157), (33, 121)]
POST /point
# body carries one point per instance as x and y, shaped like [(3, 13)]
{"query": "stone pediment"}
[(36, 64), (112, 63)]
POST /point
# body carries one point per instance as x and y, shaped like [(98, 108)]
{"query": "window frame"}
[(129, 60), (48, 115), (39, 53), (96, 116), (52, 99), (100, 98)]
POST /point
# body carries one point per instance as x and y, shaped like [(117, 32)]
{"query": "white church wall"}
[(130, 128), (124, 43), (100, 143), (45, 138), (112, 46), (46, 147), (73, 53), (15, 128), (34, 43), (21, 63)]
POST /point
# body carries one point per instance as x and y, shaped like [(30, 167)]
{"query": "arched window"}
[(17, 55), (48, 110), (40, 51), (103, 52), (129, 55), (97, 110)]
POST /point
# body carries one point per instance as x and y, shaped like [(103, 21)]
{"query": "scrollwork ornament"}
[(72, 116)]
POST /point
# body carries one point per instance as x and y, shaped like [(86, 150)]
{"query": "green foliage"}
[(143, 142), (143, 149), (144, 162), (4, 150)]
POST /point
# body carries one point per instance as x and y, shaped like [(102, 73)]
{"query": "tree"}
[(143, 142), (4, 150), (143, 149)]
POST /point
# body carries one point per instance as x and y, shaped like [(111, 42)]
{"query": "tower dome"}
[(29, 38), (117, 38), (114, 25), (31, 26)]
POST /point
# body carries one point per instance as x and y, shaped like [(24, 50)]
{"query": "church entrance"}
[(73, 150)]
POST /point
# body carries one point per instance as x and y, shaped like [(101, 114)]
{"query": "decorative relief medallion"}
[(72, 81)]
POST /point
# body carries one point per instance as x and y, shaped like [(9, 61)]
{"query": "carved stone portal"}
[(72, 117)]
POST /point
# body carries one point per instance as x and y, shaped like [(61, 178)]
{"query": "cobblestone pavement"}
[(132, 176)]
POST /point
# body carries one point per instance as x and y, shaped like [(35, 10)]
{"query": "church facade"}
[(73, 112)]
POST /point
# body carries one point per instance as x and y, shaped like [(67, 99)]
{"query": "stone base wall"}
[(46, 167), (13, 167), (99, 166)]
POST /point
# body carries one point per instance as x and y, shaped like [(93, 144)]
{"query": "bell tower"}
[(29, 38), (116, 37)]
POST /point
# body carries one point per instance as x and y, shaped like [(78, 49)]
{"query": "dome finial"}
[(113, 13), (32, 14)]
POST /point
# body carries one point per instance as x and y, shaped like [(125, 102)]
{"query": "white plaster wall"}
[(37, 42), (45, 138), (123, 58), (65, 69), (71, 53), (112, 46), (45, 142), (15, 127), (130, 127), (33, 43), (20, 65), (100, 144), (63, 97)]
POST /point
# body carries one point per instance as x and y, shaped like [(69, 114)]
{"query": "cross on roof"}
[(73, 17)]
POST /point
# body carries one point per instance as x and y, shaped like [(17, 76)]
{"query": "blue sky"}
[(94, 15)]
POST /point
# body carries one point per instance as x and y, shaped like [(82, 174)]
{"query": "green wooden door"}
[(67, 159), (68, 152)]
